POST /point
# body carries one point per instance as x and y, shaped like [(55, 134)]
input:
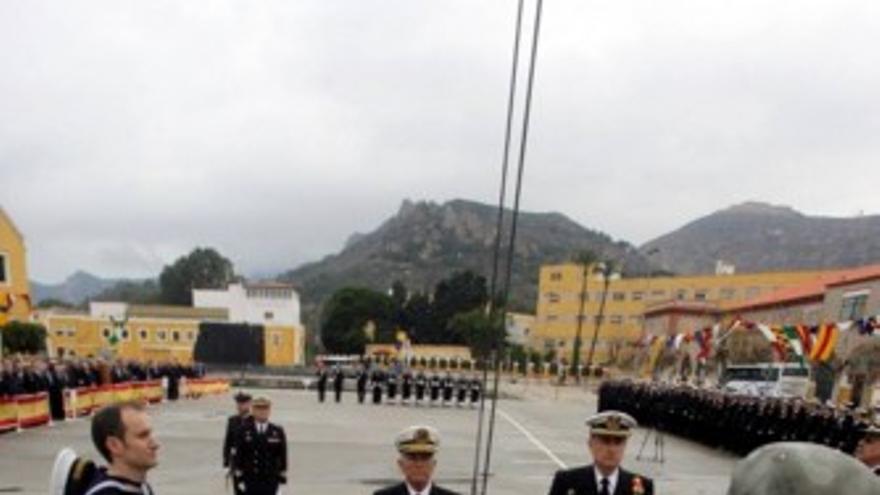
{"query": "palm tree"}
[(606, 268), (587, 259)]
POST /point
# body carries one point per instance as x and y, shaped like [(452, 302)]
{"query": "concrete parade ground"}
[(348, 448)]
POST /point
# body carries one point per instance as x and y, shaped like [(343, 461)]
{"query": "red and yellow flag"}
[(825, 342)]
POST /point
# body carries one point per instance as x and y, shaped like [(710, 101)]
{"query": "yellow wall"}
[(16, 283), (283, 345), (559, 300), (145, 339)]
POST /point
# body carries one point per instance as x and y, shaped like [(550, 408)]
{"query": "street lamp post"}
[(606, 270)]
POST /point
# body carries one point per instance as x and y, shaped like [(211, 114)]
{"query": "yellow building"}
[(559, 295), (15, 301), (160, 333)]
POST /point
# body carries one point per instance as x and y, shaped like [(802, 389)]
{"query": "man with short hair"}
[(123, 435), (417, 446), (259, 456), (609, 431), (868, 449)]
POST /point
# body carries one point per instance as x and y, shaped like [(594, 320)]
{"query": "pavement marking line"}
[(535, 441)]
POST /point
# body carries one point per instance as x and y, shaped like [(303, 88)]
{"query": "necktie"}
[(604, 489)]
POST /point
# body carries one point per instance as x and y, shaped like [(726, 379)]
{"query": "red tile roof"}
[(808, 291)]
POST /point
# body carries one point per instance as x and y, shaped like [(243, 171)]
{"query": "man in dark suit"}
[(609, 431), (338, 382), (322, 382), (233, 426), (417, 446), (868, 449), (259, 453), (362, 384)]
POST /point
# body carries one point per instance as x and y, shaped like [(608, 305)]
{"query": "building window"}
[(658, 294), (638, 295), (106, 333), (161, 335), (268, 315), (552, 317), (552, 297), (556, 276), (619, 296), (125, 334), (59, 332), (616, 319), (143, 334), (701, 295), (276, 340), (175, 336), (71, 332), (681, 294), (853, 306), (3, 269), (727, 293), (191, 335)]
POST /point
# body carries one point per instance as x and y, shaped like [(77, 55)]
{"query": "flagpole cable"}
[(513, 226)]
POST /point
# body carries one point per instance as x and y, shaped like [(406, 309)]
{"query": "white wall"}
[(243, 309)]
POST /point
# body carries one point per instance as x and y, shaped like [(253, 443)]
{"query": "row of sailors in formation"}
[(418, 387)]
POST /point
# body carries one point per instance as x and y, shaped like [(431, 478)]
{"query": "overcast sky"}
[(131, 132)]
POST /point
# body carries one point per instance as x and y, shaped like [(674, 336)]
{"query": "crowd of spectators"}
[(34, 374)]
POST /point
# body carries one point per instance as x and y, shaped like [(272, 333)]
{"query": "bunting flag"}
[(780, 343), (806, 338), (678, 340), (704, 339), (825, 342), (794, 340), (767, 332)]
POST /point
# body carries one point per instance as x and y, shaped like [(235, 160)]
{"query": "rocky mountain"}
[(757, 236), (74, 289), (426, 242)]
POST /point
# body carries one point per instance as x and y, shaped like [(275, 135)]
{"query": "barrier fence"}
[(30, 410)]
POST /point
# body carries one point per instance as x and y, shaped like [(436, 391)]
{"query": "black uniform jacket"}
[(258, 455), (400, 489), (582, 481), (233, 427)]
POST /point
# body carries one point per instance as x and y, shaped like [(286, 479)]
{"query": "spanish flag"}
[(825, 342)]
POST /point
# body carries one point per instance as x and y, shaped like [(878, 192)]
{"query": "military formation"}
[(737, 423), (395, 386)]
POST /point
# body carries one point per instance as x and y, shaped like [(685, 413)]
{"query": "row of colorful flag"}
[(816, 343)]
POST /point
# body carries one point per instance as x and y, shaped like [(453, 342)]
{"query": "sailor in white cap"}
[(609, 431), (868, 449), (802, 468), (417, 446)]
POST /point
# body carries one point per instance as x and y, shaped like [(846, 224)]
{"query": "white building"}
[(519, 328), (267, 303)]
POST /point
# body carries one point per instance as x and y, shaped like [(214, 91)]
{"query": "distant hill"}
[(426, 242), (760, 237), (74, 290)]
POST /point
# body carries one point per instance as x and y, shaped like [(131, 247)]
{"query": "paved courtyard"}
[(348, 448)]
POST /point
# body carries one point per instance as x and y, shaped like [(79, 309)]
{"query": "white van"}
[(767, 379)]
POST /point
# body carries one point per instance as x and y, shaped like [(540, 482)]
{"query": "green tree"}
[(462, 292), (203, 268), (27, 338), (131, 291), (475, 330), (417, 317), (54, 303), (346, 315)]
